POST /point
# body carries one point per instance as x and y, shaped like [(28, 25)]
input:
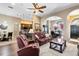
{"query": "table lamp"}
[(31, 31)]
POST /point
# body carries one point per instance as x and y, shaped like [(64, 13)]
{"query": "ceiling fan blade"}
[(10, 7), (34, 4), (31, 8), (41, 11), (42, 7)]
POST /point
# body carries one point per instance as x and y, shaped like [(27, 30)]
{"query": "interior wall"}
[(26, 22), (36, 20), (63, 14), (13, 24)]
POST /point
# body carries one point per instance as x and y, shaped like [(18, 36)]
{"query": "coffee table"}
[(58, 46)]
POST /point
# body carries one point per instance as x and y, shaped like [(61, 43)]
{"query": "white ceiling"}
[(74, 12), (53, 18), (20, 9)]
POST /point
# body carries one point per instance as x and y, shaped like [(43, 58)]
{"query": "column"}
[(66, 29)]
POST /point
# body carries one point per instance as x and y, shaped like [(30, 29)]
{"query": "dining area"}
[(5, 36)]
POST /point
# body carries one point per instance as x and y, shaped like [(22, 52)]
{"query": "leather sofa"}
[(26, 49), (41, 38)]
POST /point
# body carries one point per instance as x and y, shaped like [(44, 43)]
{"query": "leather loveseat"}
[(41, 38), (26, 49)]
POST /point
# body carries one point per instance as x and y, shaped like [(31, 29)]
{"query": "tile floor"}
[(10, 49)]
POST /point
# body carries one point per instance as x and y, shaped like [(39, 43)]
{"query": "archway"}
[(75, 29), (55, 23), (73, 19)]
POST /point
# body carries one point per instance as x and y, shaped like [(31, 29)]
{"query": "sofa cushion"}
[(41, 35), (23, 40), (23, 37)]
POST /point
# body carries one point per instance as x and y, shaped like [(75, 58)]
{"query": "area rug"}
[(71, 50)]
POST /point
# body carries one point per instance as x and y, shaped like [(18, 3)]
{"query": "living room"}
[(40, 26)]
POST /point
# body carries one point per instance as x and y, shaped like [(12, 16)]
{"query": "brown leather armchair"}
[(26, 49), (41, 38)]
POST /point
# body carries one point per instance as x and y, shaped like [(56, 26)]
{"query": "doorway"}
[(74, 29)]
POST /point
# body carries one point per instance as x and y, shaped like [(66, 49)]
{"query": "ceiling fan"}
[(37, 8)]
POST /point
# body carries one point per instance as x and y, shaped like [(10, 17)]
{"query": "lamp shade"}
[(31, 31)]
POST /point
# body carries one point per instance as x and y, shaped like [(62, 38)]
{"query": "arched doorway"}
[(73, 19), (74, 29), (55, 23)]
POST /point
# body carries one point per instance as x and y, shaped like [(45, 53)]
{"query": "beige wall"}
[(63, 14), (13, 24), (36, 19)]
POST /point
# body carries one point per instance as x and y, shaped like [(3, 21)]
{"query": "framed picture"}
[(37, 26)]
